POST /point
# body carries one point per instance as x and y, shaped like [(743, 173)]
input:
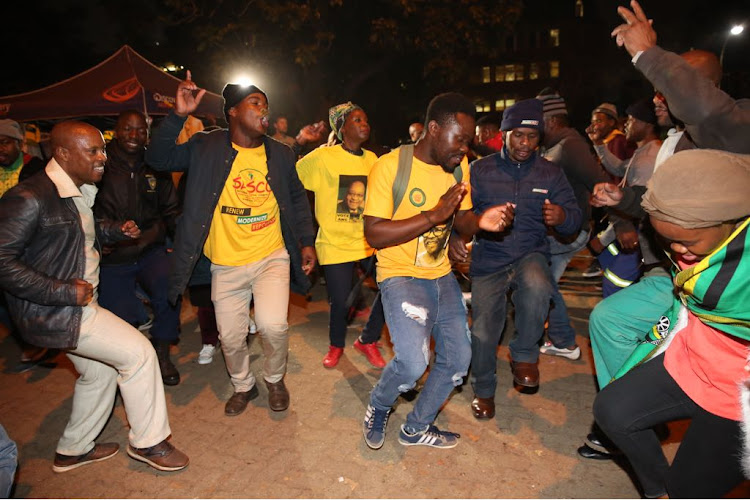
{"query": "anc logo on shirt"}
[(251, 187), (417, 197)]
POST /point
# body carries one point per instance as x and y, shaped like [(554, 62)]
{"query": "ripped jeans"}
[(415, 310)]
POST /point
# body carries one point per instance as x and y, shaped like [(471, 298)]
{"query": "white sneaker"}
[(207, 354), (253, 329), (549, 349)]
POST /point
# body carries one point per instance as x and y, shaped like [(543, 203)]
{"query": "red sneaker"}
[(371, 352), (333, 356)]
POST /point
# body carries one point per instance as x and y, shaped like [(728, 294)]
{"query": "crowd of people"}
[(88, 241)]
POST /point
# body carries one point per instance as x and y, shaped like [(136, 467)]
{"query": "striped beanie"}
[(552, 102)]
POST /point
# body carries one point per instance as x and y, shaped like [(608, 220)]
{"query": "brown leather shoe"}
[(483, 408), (278, 395), (239, 400), (99, 452), (525, 374), (163, 456)]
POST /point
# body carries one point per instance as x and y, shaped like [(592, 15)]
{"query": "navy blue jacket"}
[(209, 157), (495, 180)]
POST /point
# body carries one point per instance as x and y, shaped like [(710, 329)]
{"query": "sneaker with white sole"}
[(373, 428), (432, 436), (207, 354), (549, 349), (253, 328)]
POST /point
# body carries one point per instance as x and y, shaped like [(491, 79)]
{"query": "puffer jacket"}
[(495, 180), (41, 254), (209, 156)]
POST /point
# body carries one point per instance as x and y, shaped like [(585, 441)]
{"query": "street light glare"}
[(736, 30), (243, 80)]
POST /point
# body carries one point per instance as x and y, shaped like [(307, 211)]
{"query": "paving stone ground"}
[(315, 448)]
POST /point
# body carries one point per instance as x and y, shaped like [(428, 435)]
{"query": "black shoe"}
[(593, 454), (601, 444), (593, 271), (169, 373)]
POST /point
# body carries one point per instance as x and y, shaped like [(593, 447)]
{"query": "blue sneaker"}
[(373, 427), (432, 436)]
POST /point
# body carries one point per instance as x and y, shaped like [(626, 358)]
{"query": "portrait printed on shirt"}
[(431, 246), (351, 199)]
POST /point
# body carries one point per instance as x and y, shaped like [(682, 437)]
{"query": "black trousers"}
[(707, 463), (339, 281)]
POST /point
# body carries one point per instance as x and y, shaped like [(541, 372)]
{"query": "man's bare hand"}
[(447, 204), (309, 259), (131, 229), (84, 292), (311, 133), (497, 219), (606, 194), (553, 215), (457, 249), (637, 33), (628, 240), (189, 95)]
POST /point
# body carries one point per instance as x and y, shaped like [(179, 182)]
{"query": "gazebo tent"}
[(126, 80)]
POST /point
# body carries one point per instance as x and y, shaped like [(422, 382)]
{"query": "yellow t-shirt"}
[(426, 256), (245, 227), (339, 181)]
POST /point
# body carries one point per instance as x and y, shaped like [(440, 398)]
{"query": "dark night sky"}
[(51, 40)]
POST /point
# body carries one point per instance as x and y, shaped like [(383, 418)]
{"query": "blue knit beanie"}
[(528, 113)]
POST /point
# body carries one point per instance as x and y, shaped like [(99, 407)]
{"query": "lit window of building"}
[(579, 8), (533, 71), (486, 74), (519, 72), (554, 37), (482, 106), (554, 69)]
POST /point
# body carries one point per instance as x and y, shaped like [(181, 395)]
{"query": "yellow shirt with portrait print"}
[(339, 181), (427, 184), (245, 227)]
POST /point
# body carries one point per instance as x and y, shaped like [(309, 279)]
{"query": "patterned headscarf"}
[(337, 116)]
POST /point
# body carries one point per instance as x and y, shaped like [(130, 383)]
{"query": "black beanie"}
[(527, 113), (233, 93), (643, 110)]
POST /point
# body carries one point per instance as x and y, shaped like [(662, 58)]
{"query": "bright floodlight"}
[(736, 30), (244, 80)]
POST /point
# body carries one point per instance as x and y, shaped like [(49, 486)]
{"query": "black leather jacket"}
[(136, 193), (41, 253)]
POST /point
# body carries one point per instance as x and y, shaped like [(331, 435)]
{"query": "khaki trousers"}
[(232, 288), (112, 353)]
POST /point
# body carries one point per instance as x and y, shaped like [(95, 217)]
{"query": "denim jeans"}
[(117, 292), (560, 331), (8, 463), (531, 283), (415, 310)]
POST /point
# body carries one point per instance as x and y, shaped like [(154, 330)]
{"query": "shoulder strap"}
[(405, 155)]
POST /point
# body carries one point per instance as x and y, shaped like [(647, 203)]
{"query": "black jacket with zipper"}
[(137, 193)]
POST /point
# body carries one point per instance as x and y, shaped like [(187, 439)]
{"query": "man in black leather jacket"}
[(49, 270), (247, 211), (130, 189)]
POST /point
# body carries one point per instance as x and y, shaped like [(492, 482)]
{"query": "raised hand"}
[(496, 219), (188, 96), (637, 33), (553, 215), (311, 133), (606, 194), (84, 291)]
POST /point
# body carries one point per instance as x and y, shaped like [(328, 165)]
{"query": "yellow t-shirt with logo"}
[(339, 181), (245, 227), (426, 256)]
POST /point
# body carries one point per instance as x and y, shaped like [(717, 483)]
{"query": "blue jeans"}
[(415, 310), (8, 463), (117, 292), (531, 283), (560, 331)]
